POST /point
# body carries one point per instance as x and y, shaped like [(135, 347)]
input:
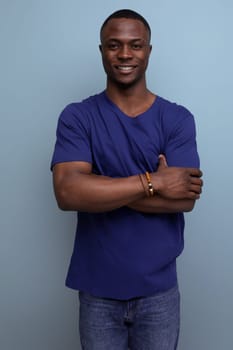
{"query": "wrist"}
[(156, 181), (147, 184)]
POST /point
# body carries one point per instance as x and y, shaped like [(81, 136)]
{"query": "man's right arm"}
[(77, 188), (162, 201)]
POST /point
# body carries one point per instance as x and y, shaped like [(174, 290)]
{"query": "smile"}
[(125, 68)]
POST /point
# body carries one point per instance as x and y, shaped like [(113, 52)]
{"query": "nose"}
[(125, 52)]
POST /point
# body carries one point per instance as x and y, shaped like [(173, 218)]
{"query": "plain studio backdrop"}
[(49, 58)]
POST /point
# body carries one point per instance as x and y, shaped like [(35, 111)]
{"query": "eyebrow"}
[(130, 40)]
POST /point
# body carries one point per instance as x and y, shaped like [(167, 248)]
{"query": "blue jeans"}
[(145, 323)]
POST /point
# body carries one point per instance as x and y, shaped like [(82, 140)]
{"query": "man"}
[(126, 160)]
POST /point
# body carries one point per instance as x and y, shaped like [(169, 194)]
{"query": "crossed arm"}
[(77, 188)]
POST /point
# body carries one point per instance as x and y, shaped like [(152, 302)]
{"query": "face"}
[(125, 48)]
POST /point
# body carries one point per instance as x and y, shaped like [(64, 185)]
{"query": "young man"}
[(126, 160)]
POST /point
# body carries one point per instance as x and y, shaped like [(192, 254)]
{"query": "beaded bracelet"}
[(147, 184), (150, 186)]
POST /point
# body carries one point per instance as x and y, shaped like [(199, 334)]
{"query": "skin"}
[(126, 43), (125, 50)]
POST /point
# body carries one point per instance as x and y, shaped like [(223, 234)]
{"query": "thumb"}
[(162, 162)]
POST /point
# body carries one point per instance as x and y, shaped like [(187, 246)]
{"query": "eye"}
[(113, 46), (136, 46)]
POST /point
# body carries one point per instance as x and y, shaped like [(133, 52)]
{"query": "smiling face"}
[(125, 48)]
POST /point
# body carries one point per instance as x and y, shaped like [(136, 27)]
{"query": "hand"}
[(177, 182)]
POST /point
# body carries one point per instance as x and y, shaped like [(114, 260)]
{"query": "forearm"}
[(94, 193), (77, 188), (158, 205)]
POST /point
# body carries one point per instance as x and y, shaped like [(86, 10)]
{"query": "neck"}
[(132, 100), (126, 93)]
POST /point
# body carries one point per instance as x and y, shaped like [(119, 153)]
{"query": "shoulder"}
[(77, 109), (172, 109), (79, 113), (172, 112), (176, 120)]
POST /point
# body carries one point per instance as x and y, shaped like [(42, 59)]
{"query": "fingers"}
[(195, 172), (177, 182), (196, 181), (196, 189), (195, 196), (162, 161), (196, 185)]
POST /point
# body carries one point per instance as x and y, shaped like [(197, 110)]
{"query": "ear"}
[(100, 48), (150, 48)]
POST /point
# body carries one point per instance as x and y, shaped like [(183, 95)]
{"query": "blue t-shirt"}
[(124, 253)]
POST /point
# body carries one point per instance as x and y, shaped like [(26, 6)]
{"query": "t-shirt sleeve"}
[(72, 137), (181, 146)]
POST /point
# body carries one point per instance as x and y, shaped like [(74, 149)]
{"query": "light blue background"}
[(49, 57)]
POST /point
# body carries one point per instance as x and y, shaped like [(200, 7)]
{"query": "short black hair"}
[(126, 13)]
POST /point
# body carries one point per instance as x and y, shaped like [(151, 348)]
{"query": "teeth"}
[(125, 68)]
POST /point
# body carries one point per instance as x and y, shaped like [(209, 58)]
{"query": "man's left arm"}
[(159, 205), (181, 150)]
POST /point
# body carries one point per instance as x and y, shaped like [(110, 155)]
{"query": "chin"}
[(125, 84)]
